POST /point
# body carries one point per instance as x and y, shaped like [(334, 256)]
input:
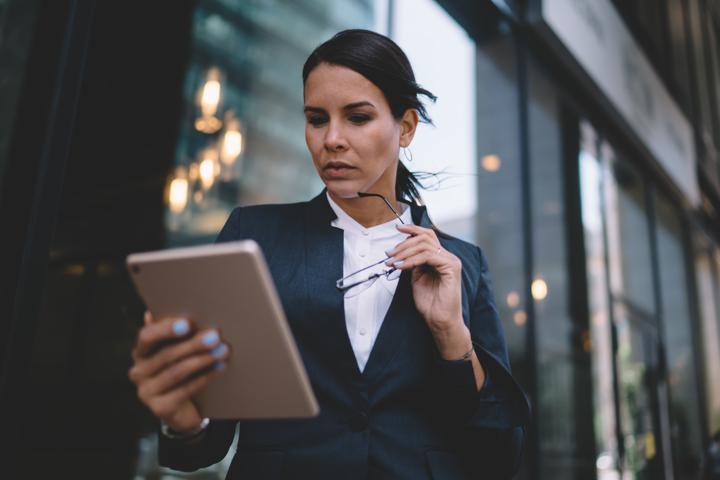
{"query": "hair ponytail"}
[(406, 185)]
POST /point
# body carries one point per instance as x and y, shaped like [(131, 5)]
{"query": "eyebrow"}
[(349, 106)]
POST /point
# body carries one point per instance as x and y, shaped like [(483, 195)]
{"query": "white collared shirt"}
[(365, 312)]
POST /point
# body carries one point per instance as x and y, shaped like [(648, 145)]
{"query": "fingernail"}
[(218, 365), (389, 252), (180, 327), (220, 350), (398, 263), (211, 338)]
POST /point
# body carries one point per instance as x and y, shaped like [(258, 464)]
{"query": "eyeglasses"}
[(360, 283)]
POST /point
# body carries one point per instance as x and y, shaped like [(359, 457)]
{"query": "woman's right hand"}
[(171, 362)]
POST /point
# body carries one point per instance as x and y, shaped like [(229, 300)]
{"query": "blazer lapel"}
[(325, 308), (400, 315)]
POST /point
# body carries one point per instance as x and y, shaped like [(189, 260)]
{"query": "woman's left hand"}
[(436, 283)]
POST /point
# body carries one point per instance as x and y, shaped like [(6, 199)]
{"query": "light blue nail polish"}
[(398, 263), (389, 251), (211, 338), (180, 327), (391, 260), (220, 350), (218, 365)]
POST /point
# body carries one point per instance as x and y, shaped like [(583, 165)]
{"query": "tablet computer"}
[(228, 286)]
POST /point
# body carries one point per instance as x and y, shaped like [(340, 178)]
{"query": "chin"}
[(343, 189)]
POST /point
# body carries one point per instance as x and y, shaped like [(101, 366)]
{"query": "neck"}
[(368, 211)]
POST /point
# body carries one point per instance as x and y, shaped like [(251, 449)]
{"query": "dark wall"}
[(77, 415)]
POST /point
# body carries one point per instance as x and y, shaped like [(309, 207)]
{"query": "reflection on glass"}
[(512, 299), (241, 135), (604, 420), (629, 234), (232, 143), (178, 194), (499, 209), (539, 289), (209, 100), (707, 267), (677, 328), (564, 402), (491, 163), (634, 308), (637, 381)]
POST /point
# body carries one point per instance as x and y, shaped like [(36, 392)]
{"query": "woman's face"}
[(351, 133)]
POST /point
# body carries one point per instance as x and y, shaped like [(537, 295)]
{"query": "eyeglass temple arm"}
[(365, 194), (341, 286), (340, 282)]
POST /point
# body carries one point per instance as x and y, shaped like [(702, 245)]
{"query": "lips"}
[(337, 166), (337, 169)]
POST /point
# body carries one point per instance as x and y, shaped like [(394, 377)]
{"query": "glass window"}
[(242, 131), (629, 235), (642, 420), (499, 215), (630, 417), (604, 419), (678, 333), (707, 269), (564, 390), (447, 69)]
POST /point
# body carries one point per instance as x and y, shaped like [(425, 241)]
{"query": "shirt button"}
[(365, 232), (362, 331)]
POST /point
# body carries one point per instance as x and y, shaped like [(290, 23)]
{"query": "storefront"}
[(591, 186)]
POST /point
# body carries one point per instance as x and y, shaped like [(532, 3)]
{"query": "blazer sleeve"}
[(213, 444), (493, 419)]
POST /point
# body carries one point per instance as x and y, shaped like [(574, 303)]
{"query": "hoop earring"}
[(405, 154)]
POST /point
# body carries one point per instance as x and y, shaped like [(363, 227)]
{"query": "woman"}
[(395, 321)]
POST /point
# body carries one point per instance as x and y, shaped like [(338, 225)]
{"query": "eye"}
[(357, 118), (316, 120)]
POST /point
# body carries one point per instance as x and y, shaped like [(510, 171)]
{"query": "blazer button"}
[(358, 422)]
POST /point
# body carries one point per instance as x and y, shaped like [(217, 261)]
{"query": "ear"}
[(408, 125)]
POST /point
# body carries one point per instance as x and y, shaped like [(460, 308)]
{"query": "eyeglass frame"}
[(339, 284)]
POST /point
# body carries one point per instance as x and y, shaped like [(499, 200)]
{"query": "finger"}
[(417, 230), (411, 242), (147, 318), (164, 405), (438, 260), (178, 373), (166, 329), (201, 342), (398, 259)]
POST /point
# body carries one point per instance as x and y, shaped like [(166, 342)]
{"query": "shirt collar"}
[(346, 222)]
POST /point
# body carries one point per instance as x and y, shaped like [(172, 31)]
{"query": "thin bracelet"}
[(466, 356)]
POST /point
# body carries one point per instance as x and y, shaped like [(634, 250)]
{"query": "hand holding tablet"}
[(234, 356), (173, 360)]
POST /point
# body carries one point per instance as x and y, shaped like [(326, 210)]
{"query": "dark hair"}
[(380, 60)]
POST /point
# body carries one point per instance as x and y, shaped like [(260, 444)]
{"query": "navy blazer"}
[(409, 414)]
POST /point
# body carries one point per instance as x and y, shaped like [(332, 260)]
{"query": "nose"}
[(334, 137)]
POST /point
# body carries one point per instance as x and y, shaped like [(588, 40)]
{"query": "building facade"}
[(575, 141)]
